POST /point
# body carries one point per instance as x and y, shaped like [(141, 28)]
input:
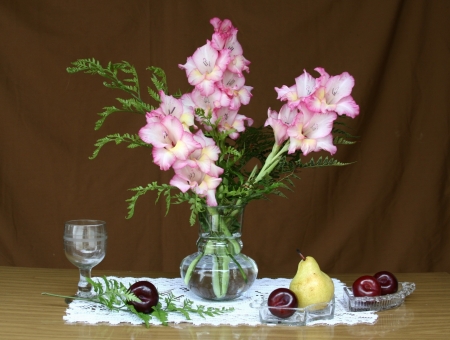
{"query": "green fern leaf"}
[(340, 140), (132, 140), (321, 162)]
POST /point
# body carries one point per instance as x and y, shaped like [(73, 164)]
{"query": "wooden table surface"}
[(26, 314)]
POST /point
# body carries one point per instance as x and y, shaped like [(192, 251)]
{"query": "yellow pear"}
[(310, 284)]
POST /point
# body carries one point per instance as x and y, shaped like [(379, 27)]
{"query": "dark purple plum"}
[(388, 282), (366, 286), (281, 301), (147, 293)]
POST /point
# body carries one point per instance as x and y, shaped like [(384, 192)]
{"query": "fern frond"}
[(153, 94), (321, 162), (340, 140), (133, 141), (336, 131), (130, 85), (159, 79), (161, 188)]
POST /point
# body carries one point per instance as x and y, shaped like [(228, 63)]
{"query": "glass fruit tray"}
[(377, 303), (300, 316)]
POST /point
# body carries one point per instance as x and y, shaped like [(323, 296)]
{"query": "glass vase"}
[(218, 270)]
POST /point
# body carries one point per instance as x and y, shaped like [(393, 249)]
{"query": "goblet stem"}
[(84, 287)]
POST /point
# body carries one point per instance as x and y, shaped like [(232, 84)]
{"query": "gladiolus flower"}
[(311, 132), (223, 31), (205, 67), (215, 100), (170, 141), (234, 87), (281, 121), (334, 95), (202, 184), (171, 106), (230, 120), (305, 85), (225, 37), (238, 63), (203, 158)]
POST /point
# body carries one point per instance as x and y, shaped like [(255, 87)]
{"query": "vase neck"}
[(220, 230), (221, 221)]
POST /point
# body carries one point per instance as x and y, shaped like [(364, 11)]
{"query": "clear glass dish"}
[(301, 316), (377, 303)]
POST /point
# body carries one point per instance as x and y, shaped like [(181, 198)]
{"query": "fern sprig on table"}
[(114, 295)]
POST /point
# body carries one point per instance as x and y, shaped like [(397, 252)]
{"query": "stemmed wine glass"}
[(85, 247)]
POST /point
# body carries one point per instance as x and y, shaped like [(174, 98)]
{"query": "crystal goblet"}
[(85, 247)]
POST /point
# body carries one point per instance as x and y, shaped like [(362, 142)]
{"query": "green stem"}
[(244, 275), (272, 160), (221, 261), (221, 275), (191, 267), (71, 297), (219, 225)]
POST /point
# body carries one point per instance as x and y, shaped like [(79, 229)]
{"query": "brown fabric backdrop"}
[(388, 211)]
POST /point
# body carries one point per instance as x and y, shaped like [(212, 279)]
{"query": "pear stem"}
[(301, 255)]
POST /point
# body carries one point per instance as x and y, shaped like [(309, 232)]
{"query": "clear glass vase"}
[(219, 271)]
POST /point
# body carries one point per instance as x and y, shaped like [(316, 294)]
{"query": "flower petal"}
[(180, 183), (326, 143), (319, 125), (338, 87), (205, 58), (196, 77), (305, 84), (347, 106), (163, 157), (170, 105), (223, 59), (206, 87), (173, 127), (155, 134), (324, 76), (211, 198), (189, 66)]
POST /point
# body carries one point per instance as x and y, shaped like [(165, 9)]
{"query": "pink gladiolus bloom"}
[(203, 158), (281, 121), (215, 100), (324, 76), (230, 120), (238, 64), (223, 31), (202, 184), (225, 37), (170, 141), (304, 86), (334, 95), (205, 67), (153, 117), (174, 107), (312, 132), (234, 87)]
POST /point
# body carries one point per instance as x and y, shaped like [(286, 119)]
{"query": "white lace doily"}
[(243, 314)]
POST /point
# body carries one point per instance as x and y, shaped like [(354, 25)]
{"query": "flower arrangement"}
[(209, 145), (206, 142)]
